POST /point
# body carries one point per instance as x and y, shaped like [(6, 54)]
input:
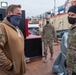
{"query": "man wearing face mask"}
[(71, 42), (48, 35), (12, 43)]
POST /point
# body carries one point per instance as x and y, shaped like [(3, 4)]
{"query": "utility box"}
[(33, 47)]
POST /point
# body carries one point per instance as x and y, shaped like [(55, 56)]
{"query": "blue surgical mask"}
[(15, 20)]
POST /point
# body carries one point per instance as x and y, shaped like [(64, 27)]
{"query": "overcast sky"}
[(35, 7)]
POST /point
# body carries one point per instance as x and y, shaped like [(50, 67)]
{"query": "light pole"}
[(54, 6)]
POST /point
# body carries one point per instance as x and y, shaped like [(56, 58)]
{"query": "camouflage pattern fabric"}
[(48, 32), (71, 51), (46, 45), (48, 35)]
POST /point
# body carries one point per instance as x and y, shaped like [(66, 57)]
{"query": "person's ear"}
[(9, 13)]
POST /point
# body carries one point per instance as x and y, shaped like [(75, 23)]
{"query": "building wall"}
[(60, 22)]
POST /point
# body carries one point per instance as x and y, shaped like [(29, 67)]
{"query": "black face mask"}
[(47, 22), (71, 20)]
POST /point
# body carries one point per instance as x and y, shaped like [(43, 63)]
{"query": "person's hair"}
[(12, 7)]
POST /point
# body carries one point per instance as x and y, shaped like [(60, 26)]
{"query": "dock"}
[(37, 67)]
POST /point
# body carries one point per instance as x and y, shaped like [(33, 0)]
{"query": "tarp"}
[(59, 66)]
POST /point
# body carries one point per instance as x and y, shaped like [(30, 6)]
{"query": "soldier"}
[(12, 59), (48, 35), (71, 42)]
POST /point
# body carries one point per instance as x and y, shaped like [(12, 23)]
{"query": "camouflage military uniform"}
[(48, 35), (71, 51)]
